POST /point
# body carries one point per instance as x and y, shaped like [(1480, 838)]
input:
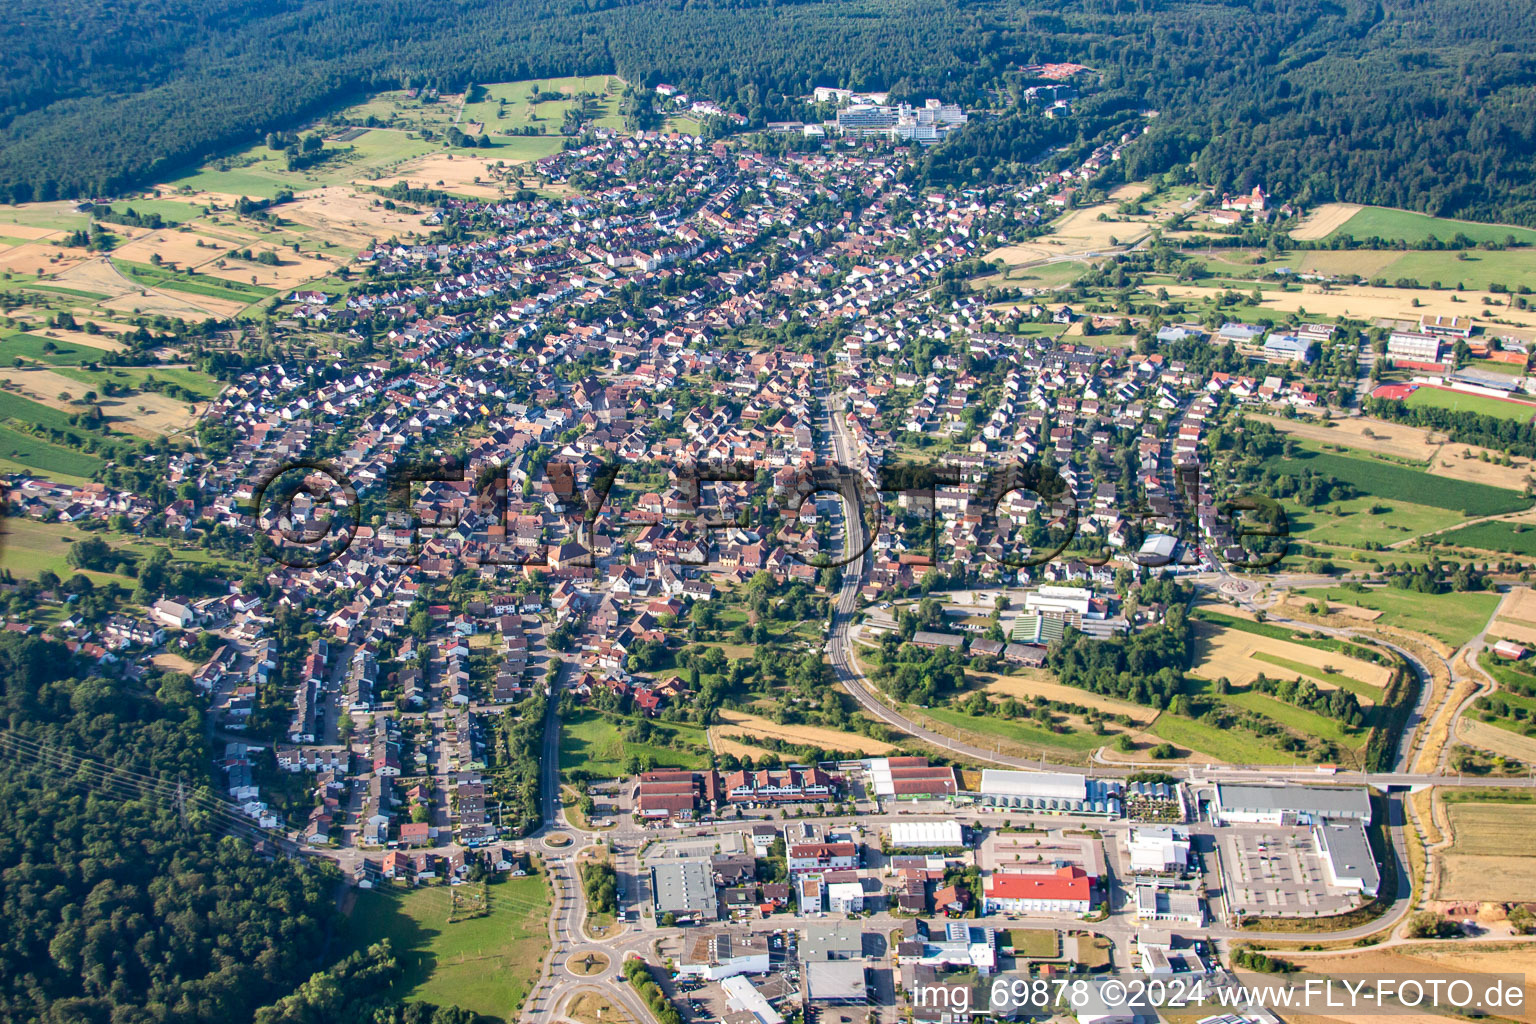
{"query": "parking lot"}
[(1276, 871)]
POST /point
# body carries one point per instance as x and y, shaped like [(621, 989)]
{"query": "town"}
[(470, 604)]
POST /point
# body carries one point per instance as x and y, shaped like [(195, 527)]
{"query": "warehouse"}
[(927, 835), (685, 889), (1346, 852), (1060, 792), (1290, 805)]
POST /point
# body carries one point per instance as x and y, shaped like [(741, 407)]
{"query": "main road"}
[(850, 675)]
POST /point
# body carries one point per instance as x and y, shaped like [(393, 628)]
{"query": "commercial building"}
[(927, 835), (1346, 851), (1057, 792), (1451, 326), (911, 778), (685, 889), (742, 997), (718, 954), (675, 795), (841, 940), (836, 981), (1158, 851), (1064, 891), (1160, 903), (1076, 600), (1290, 805)]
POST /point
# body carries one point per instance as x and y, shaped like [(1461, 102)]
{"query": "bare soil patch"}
[(1323, 221), (745, 726)]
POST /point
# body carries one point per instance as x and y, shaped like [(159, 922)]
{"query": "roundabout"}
[(587, 965)]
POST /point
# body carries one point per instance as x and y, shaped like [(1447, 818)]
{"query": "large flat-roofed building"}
[(1160, 903), (717, 955), (1059, 792), (1076, 600), (685, 889), (927, 835), (910, 778), (1346, 851), (1158, 850), (836, 981), (1439, 323), (1067, 890), (1413, 345), (1291, 805)]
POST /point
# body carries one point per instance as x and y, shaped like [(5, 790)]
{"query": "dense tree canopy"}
[(1426, 104), (117, 909)]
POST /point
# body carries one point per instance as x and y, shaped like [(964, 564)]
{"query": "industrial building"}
[(717, 955), (685, 889), (1290, 805), (1346, 852), (1060, 792), (909, 778), (1160, 903), (927, 835)]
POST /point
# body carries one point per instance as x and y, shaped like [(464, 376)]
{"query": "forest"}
[(1423, 104), (119, 907)]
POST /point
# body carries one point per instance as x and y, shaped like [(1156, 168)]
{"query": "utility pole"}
[(181, 804)]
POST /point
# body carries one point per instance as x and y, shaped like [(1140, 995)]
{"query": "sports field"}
[(1463, 401)]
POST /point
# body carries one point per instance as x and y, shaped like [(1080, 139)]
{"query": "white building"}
[(845, 897), (927, 835), (741, 996), (1290, 805), (1059, 599), (1413, 345), (1158, 851), (1160, 903), (718, 955), (1346, 852)]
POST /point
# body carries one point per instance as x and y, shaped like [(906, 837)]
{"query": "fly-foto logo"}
[(307, 513)]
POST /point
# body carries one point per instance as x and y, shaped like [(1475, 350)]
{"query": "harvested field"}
[(347, 218), (292, 270), (144, 414), (725, 745), (1464, 462), (99, 275), (31, 257), (1230, 652), (1024, 687), (456, 173), (1335, 608), (174, 662), (1379, 436), (179, 248), (1323, 221), (1423, 961), (741, 725), (1364, 302), (1080, 231), (1489, 737), (1519, 605)]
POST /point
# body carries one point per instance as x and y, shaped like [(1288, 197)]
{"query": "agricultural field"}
[(1389, 481), (1491, 857), (485, 964), (1407, 226), (1241, 657), (594, 742), (1462, 401), (1452, 618), (745, 727), (1025, 686), (1356, 301), (1516, 616), (1364, 521), (1512, 538)]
